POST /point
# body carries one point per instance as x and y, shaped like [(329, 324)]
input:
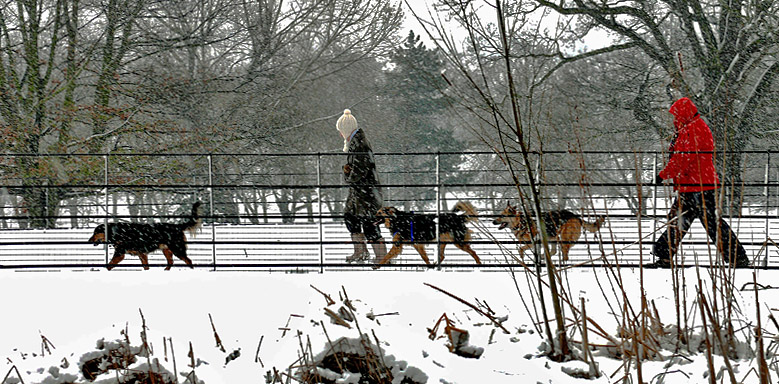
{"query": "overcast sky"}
[(596, 39)]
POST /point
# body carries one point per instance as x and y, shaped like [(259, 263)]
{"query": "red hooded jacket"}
[(691, 165)]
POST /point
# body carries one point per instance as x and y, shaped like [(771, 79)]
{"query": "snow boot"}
[(360, 249), (742, 262), (379, 250)]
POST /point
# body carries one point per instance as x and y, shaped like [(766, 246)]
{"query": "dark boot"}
[(659, 263), (742, 262)]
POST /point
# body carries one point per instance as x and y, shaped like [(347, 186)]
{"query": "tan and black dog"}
[(142, 239), (418, 229), (562, 227)]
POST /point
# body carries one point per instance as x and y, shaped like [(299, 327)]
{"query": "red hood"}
[(684, 112)]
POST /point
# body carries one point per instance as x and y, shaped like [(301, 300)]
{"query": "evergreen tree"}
[(414, 90)]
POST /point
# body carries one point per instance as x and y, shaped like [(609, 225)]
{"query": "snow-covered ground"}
[(75, 309)]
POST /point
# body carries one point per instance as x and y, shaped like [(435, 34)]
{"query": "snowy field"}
[(72, 310)]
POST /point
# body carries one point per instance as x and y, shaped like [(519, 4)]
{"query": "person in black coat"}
[(365, 197)]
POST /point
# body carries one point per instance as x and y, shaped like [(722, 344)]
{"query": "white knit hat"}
[(346, 125)]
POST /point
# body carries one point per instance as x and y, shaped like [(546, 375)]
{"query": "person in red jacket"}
[(691, 166)]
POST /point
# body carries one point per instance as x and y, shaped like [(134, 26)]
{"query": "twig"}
[(715, 328), (338, 320), (709, 358), (286, 327), (371, 316), (173, 357), (45, 343), (764, 373), (13, 368), (329, 299), (257, 358), (492, 318), (756, 287), (588, 358), (216, 335), (330, 343), (192, 363), (773, 320)]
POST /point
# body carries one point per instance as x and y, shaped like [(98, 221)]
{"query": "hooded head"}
[(684, 111), (346, 125)]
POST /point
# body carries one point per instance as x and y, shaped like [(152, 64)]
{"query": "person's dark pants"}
[(701, 205), (366, 225)]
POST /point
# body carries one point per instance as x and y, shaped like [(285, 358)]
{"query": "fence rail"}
[(283, 211)]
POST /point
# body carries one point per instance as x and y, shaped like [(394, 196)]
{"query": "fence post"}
[(105, 205), (211, 209), (654, 202), (319, 211), (438, 207), (767, 202)]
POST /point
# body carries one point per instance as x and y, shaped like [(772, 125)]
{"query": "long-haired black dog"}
[(142, 239)]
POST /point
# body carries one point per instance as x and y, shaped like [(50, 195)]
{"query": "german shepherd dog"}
[(562, 226), (142, 239), (416, 229)]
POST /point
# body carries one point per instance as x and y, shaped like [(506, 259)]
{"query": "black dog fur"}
[(142, 239)]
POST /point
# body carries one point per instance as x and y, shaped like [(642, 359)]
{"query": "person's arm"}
[(681, 157)]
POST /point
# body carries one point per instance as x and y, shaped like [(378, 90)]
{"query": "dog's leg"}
[(569, 235), (180, 250), (467, 248), (118, 257), (421, 249), (169, 257), (444, 239), (396, 249), (567, 248), (144, 260), (183, 256), (441, 253)]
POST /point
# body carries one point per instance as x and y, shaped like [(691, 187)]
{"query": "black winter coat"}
[(365, 197)]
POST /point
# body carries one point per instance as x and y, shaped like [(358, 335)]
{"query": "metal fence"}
[(284, 211)]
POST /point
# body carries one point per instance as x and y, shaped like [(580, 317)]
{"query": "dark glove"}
[(658, 180), (347, 169)]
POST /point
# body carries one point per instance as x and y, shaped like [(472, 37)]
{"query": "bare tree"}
[(721, 54)]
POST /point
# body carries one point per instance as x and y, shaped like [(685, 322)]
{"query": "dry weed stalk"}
[(709, 357), (191, 376), (173, 357), (765, 374), (340, 356), (7, 375), (477, 309), (45, 344), (216, 335), (257, 358)]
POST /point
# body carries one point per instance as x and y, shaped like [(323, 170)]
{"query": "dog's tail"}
[(594, 227), (194, 222), (467, 208)]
